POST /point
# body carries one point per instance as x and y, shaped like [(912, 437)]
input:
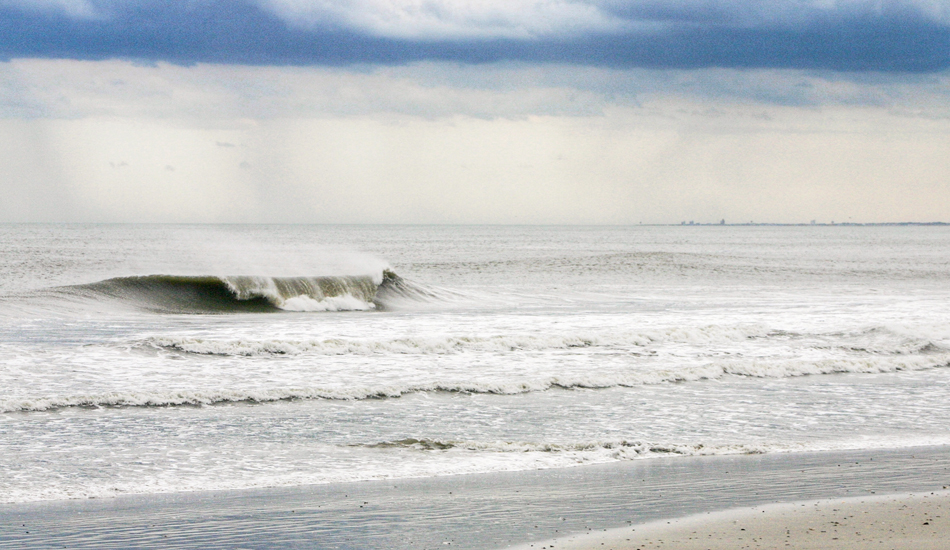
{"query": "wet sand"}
[(479, 511), (892, 522)]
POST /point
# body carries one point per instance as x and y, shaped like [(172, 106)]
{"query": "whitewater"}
[(158, 359)]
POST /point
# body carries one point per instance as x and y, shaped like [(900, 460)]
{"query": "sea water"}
[(140, 359)]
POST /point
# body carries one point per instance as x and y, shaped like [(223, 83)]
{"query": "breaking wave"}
[(445, 345), (250, 294), (711, 371), (635, 342)]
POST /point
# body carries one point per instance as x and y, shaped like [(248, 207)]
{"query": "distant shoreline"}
[(830, 224), (476, 224)]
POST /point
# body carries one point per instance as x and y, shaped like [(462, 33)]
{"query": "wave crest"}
[(446, 345), (633, 342), (252, 294)]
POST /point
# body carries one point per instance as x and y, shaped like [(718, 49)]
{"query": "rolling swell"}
[(250, 294)]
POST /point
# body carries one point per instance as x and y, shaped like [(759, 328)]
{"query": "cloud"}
[(78, 89), (79, 9), (669, 161), (67, 89), (855, 35), (539, 111), (776, 13), (450, 19)]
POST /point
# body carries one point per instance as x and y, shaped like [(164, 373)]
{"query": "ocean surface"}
[(140, 359)]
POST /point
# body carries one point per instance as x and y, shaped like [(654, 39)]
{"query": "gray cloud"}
[(855, 35), (75, 89)]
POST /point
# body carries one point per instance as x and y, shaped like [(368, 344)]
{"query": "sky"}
[(475, 111)]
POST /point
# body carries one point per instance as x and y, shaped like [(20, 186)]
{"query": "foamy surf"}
[(634, 341), (420, 458), (482, 385), (438, 458), (620, 449), (502, 349), (451, 344)]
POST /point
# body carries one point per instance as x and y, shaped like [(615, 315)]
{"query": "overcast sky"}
[(475, 111)]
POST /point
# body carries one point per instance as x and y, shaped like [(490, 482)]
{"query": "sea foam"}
[(499, 386)]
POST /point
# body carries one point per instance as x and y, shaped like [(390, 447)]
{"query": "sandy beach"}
[(894, 522)]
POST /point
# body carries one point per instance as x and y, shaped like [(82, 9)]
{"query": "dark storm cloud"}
[(855, 36)]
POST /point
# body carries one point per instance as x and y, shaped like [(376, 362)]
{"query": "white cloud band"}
[(525, 19), (450, 19)]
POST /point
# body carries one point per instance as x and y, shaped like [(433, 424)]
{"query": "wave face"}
[(253, 294)]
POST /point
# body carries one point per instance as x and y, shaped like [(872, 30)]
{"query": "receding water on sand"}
[(481, 511)]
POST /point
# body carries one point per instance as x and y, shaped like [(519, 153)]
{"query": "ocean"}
[(158, 359)]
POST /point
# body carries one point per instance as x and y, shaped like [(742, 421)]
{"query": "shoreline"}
[(908, 521), (476, 511)]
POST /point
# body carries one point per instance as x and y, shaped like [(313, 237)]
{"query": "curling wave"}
[(249, 294)]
